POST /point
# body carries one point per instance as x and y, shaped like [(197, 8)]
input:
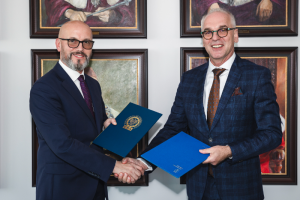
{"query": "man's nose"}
[(80, 46), (215, 36)]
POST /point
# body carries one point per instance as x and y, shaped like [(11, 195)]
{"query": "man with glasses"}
[(69, 113), (228, 103)]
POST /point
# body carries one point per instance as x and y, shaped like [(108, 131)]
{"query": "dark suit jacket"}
[(67, 166), (248, 123)]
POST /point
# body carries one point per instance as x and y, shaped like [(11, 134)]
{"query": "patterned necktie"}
[(86, 94), (213, 100)]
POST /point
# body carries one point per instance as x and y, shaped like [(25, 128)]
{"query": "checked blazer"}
[(249, 123), (68, 167)]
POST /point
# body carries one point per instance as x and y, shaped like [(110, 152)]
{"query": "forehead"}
[(216, 20)]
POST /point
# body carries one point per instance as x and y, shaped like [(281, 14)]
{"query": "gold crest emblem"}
[(132, 122)]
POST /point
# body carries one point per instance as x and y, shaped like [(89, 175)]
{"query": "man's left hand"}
[(109, 121), (217, 154)]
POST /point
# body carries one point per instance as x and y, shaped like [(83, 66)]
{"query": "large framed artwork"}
[(278, 166), (253, 17), (123, 76), (107, 18)]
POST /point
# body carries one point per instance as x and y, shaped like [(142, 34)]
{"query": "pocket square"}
[(237, 91)]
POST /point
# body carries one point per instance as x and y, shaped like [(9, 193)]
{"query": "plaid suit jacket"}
[(249, 123)]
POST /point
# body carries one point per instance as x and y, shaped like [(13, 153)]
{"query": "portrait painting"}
[(246, 12), (107, 18), (253, 17), (122, 80), (57, 12), (277, 163)]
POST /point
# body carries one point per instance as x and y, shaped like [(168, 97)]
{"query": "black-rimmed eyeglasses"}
[(73, 43), (222, 32)]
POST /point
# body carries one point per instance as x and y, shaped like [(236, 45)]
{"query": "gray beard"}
[(95, 2), (76, 66)]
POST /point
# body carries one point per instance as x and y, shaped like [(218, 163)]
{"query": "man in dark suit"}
[(69, 113), (230, 104)]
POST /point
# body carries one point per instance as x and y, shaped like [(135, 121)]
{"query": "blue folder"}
[(177, 155), (132, 124)]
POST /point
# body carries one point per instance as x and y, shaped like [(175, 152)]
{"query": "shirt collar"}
[(73, 74), (226, 65)]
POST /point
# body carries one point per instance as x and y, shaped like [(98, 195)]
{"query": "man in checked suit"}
[(228, 103), (69, 113)]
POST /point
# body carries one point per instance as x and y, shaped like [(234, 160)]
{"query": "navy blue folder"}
[(132, 124), (177, 155)]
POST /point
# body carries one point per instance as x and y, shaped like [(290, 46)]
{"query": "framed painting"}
[(278, 166), (251, 18), (123, 76), (107, 18)]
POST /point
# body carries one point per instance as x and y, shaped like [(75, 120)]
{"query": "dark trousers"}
[(100, 193), (210, 192)]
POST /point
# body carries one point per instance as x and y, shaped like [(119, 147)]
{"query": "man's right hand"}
[(123, 177), (131, 172), (76, 15)]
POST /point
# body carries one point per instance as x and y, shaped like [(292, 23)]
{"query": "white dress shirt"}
[(210, 78), (74, 75)]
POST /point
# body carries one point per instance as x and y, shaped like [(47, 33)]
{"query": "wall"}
[(163, 43)]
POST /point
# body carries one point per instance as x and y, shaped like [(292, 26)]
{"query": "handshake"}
[(129, 170)]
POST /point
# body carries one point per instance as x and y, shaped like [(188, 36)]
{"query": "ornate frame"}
[(37, 30), (289, 29)]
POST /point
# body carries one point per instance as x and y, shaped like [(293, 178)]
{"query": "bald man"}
[(69, 113)]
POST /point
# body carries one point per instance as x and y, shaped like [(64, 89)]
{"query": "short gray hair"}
[(222, 10)]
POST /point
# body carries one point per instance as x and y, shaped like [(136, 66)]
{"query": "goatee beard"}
[(76, 66)]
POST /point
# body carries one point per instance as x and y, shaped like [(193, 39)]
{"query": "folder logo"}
[(132, 122)]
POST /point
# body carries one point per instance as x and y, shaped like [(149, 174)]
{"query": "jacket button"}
[(210, 139)]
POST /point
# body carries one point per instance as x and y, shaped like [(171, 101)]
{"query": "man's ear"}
[(58, 44), (236, 35)]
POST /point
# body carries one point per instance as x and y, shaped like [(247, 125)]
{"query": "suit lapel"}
[(71, 88), (201, 76), (232, 80), (96, 104)]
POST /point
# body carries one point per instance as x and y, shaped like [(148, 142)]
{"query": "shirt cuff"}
[(146, 163), (230, 156)]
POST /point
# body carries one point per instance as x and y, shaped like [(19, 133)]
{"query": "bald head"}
[(221, 10), (77, 26)]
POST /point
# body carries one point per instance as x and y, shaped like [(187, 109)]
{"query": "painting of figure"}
[(258, 13), (95, 13)]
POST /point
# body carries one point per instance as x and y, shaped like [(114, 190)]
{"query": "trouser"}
[(100, 193), (210, 192)]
